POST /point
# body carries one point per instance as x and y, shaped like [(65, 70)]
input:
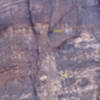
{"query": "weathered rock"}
[(37, 63)]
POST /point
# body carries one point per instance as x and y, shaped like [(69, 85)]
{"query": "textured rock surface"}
[(33, 57)]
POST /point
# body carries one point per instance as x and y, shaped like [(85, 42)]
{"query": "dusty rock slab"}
[(37, 63)]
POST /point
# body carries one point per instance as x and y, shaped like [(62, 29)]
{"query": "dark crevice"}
[(30, 17), (8, 69), (60, 19), (77, 31), (34, 77), (61, 45), (51, 15)]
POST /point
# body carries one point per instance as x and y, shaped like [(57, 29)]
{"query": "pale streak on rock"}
[(26, 96), (68, 29), (44, 77)]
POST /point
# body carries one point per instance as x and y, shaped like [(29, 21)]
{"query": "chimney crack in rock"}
[(33, 79)]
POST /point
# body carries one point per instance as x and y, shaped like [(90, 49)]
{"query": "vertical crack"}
[(37, 48), (30, 16)]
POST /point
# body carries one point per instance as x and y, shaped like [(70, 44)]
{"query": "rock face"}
[(39, 63)]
